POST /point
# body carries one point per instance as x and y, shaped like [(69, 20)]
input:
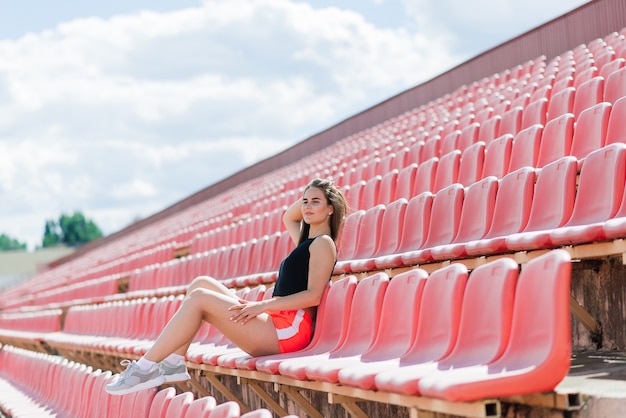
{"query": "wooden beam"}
[(266, 397), (585, 318), (295, 395), (221, 388), (349, 404)]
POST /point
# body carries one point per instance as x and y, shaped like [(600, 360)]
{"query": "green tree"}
[(10, 244), (71, 230)]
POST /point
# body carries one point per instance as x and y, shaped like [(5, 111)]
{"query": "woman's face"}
[(315, 207)]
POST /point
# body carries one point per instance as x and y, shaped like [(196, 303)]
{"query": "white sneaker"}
[(133, 379)]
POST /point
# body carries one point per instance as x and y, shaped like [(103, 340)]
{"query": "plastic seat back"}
[(391, 227), (615, 86), (440, 312), (179, 405), (447, 170), (561, 102), (525, 148), (229, 409), (511, 122), (201, 407), (589, 94), (406, 182), (402, 300), (616, 131), (370, 229), (590, 130), (388, 184), (445, 215), (371, 192), (471, 164), (498, 156), (416, 222), (425, 176), (350, 235), (535, 113), (477, 210), (556, 141), (161, 401)]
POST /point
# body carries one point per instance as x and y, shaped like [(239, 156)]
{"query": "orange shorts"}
[(294, 329)]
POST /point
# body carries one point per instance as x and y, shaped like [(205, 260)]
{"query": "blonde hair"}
[(335, 198)]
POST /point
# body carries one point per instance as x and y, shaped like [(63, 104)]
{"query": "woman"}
[(281, 324)]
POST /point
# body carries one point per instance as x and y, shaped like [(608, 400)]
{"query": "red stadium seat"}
[(471, 164), (437, 328), (201, 407), (387, 193), (179, 405), (511, 122), (590, 130), (525, 148), (615, 86), (349, 238), (556, 140), (161, 401), (414, 230), (616, 131), (525, 366), (510, 214), (447, 170), (498, 157), (561, 103), (450, 142), (402, 299), (600, 190), (468, 136), (405, 187), (425, 176), (535, 113), (589, 94), (476, 215), (330, 328), (228, 409), (484, 328), (444, 223), (362, 326), (610, 67), (552, 205)]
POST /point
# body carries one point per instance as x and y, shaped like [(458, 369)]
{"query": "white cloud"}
[(121, 117)]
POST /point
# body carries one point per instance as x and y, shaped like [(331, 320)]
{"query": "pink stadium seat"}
[(258, 413), (415, 153), (543, 92), (387, 193), (553, 201), (590, 130), (484, 328), (405, 186), (371, 192), (610, 67), (600, 190), (368, 241), (425, 176), (450, 142), (510, 214), (615, 86), (444, 223), (471, 164), (142, 403), (414, 230), (432, 147), (563, 83), (402, 299), (228, 409), (437, 328), (201, 407), (589, 94), (497, 157), (556, 141), (161, 401), (354, 195), (525, 366), (489, 129), (483, 114), (511, 122), (389, 235), (561, 103), (179, 405), (585, 75), (330, 328), (476, 215), (468, 136), (535, 113), (525, 148), (349, 240), (363, 321), (447, 170), (616, 131)]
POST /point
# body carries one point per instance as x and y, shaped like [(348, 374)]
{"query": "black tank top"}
[(293, 274)]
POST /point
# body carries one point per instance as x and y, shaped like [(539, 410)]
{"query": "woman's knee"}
[(203, 282)]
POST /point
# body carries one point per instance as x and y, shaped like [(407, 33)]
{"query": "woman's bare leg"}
[(257, 337)]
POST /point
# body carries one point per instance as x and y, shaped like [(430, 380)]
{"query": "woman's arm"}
[(292, 218), (322, 261)]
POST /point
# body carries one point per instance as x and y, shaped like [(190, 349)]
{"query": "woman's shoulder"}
[(323, 242)]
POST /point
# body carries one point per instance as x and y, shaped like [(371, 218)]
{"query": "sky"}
[(119, 109)]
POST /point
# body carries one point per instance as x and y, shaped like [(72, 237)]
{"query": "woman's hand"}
[(245, 311)]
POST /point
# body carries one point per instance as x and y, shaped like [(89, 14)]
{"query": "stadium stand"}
[(480, 265)]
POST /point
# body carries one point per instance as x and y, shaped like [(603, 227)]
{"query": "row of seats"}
[(41, 385), (455, 324)]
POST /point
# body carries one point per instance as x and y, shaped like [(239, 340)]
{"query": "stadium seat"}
[(444, 223), (589, 94), (179, 405), (471, 164), (368, 241), (349, 240), (436, 332), (414, 230), (510, 214), (484, 328), (387, 193), (447, 170), (405, 186), (556, 140), (425, 176), (490, 129), (600, 190), (610, 67), (432, 148), (468, 136), (590, 130), (535, 113), (354, 195), (450, 142), (615, 86), (553, 201), (616, 131), (258, 413), (330, 329), (402, 299), (476, 214), (540, 313), (585, 75), (389, 236), (228, 409), (511, 122), (498, 157), (525, 148), (362, 326), (371, 192), (200, 408)]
